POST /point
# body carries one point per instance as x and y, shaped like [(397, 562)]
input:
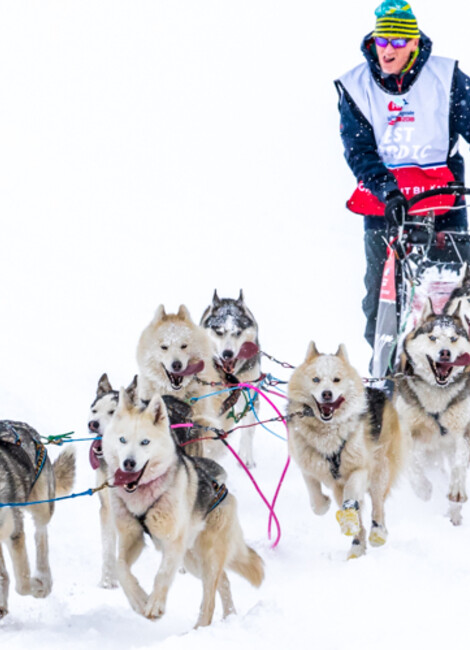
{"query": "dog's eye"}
[(453, 339), (219, 332), (433, 338), (336, 380), (145, 442), (237, 333), (164, 347), (94, 411), (110, 412), (184, 346), (122, 440), (316, 380)]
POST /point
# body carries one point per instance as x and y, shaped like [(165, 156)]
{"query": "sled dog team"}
[(169, 484)]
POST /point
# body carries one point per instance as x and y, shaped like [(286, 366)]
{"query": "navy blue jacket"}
[(358, 136)]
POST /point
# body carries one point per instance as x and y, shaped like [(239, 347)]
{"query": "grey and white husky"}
[(101, 412), (26, 475), (234, 334), (434, 400)]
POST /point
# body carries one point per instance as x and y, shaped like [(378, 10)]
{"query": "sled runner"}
[(420, 263)]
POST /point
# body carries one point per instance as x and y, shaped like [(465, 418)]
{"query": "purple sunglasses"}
[(394, 42)]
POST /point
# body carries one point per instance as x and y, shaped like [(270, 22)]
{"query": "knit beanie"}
[(395, 19)]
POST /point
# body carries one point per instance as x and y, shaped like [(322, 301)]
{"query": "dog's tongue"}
[(463, 360), (248, 350), (191, 369), (124, 478), (95, 453)]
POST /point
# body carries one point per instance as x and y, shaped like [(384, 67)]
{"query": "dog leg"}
[(4, 585), (226, 595), (108, 544), (172, 559), (212, 572), (353, 494), (245, 450), (421, 485), (378, 490), (358, 546), (131, 543), (319, 502), (19, 557), (458, 458)]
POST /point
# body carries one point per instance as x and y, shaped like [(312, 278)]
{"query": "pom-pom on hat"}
[(395, 19)]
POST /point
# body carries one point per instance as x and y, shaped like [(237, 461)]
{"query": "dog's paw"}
[(108, 582), (378, 535), (455, 513), (348, 519), (322, 505), (155, 609), (357, 549), (41, 586)]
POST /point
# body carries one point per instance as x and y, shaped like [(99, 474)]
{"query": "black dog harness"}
[(10, 438)]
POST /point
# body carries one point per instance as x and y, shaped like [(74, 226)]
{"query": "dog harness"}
[(220, 492), (10, 437)]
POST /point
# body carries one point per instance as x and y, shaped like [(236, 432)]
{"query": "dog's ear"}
[(215, 299), (125, 403), (341, 353), (156, 409), (104, 386), (183, 313), (428, 310), (160, 314), (312, 352), (466, 275), (131, 390), (458, 314), (240, 299)]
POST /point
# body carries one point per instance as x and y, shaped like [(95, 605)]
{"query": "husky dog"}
[(101, 412), (181, 502), (346, 437), (233, 329), (434, 400), (27, 475), (174, 356)]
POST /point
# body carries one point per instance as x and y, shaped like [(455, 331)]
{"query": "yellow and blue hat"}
[(395, 19)]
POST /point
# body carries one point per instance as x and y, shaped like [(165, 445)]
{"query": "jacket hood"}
[(393, 83)]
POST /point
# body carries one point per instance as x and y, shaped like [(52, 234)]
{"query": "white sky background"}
[(151, 151)]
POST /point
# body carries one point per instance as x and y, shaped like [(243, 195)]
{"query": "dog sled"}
[(421, 263)]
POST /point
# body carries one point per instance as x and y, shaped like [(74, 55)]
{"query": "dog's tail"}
[(64, 472), (249, 565)]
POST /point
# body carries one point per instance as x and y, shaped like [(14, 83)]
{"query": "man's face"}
[(392, 60)]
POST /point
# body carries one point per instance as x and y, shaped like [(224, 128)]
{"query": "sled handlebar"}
[(456, 190)]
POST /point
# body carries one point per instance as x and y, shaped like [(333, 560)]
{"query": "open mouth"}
[(96, 453), (176, 378), (441, 370), (128, 480), (327, 409)]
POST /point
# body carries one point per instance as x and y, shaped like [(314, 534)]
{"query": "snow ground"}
[(151, 152)]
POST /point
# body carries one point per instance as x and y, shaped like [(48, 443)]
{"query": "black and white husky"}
[(234, 333), (434, 400)]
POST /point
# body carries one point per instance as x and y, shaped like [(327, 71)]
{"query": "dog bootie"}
[(348, 518), (378, 534)]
